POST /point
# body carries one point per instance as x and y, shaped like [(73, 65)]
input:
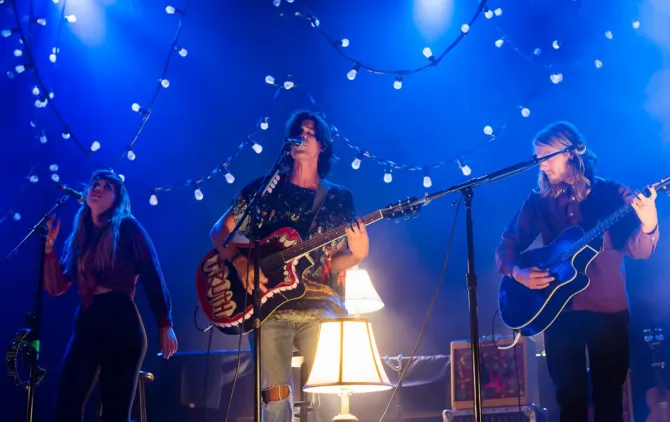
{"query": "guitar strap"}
[(319, 199)]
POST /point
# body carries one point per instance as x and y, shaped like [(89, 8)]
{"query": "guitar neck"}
[(324, 238), (598, 230)]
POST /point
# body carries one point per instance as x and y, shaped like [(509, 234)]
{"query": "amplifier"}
[(508, 377), (499, 414)]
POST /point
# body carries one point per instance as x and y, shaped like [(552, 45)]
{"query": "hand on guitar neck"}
[(245, 272)]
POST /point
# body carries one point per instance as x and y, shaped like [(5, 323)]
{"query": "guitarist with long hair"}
[(306, 202), (596, 318)]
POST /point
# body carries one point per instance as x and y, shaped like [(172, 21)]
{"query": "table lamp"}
[(360, 296), (346, 362)]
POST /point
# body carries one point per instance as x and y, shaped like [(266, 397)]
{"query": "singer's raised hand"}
[(53, 224)]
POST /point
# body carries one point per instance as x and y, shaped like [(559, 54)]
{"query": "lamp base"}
[(345, 417)]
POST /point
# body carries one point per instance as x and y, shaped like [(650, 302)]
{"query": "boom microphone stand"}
[(34, 319), (253, 212), (467, 193)]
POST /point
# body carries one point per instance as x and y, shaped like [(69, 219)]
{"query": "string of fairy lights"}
[(360, 154), (45, 97)]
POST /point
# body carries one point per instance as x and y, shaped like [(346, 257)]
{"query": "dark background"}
[(114, 54)]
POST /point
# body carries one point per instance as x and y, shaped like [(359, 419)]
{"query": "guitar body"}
[(531, 311), (657, 401), (222, 296)]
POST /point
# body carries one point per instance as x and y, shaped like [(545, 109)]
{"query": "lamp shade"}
[(346, 359), (360, 296)]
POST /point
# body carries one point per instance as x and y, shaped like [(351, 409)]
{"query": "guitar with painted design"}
[(284, 259)]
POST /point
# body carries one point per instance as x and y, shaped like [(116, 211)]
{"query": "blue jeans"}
[(278, 337)]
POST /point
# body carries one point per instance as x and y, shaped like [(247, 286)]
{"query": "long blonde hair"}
[(81, 243), (581, 167)]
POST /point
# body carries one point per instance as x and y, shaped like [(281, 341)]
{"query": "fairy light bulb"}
[(498, 12), (18, 53), (556, 78), (198, 194), (53, 167), (356, 164), (488, 14), (270, 80), (34, 178), (388, 176), (351, 75), (165, 83), (95, 146), (525, 111), (153, 200), (41, 21), (488, 130), (499, 43), (43, 138), (427, 181), (66, 134), (55, 177), (288, 85), (598, 64), (181, 51), (265, 124), (465, 28), (135, 107), (397, 84), (465, 169), (71, 18), (131, 155), (609, 35), (428, 52), (556, 45), (122, 177), (17, 216), (636, 25), (258, 148), (228, 176)]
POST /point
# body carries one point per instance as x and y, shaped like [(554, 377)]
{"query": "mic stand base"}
[(34, 319)]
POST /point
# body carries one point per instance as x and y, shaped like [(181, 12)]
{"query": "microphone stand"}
[(252, 211), (467, 193), (31, 346)]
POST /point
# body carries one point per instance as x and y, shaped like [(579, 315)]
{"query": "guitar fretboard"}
[(596, 232), (324, 238)]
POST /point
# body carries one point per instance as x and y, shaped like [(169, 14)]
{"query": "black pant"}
[(109, 341), (606, 338)]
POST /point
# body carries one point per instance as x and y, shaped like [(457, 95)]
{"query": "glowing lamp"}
[(360, 295), (347, 362)]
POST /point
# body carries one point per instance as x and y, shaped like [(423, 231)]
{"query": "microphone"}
[(71, 192), (294, 142)]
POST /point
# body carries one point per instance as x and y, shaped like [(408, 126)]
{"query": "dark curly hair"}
[(322, 134)]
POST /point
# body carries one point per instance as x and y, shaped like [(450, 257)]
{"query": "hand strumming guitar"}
[(533, 277), (245, 272)]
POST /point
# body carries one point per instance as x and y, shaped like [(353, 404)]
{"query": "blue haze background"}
[(114, 54)]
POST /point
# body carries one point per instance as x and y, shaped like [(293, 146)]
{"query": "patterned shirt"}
[(548, 217), (289, 205)]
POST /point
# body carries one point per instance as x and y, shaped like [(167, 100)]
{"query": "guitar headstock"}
[(410, 207), (663, 186), (654, 338)]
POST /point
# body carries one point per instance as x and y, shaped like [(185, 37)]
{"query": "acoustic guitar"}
[(284, 259), (657, 397), (531, 311)]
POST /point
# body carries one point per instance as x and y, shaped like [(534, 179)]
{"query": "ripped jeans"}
[(278, 337)]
